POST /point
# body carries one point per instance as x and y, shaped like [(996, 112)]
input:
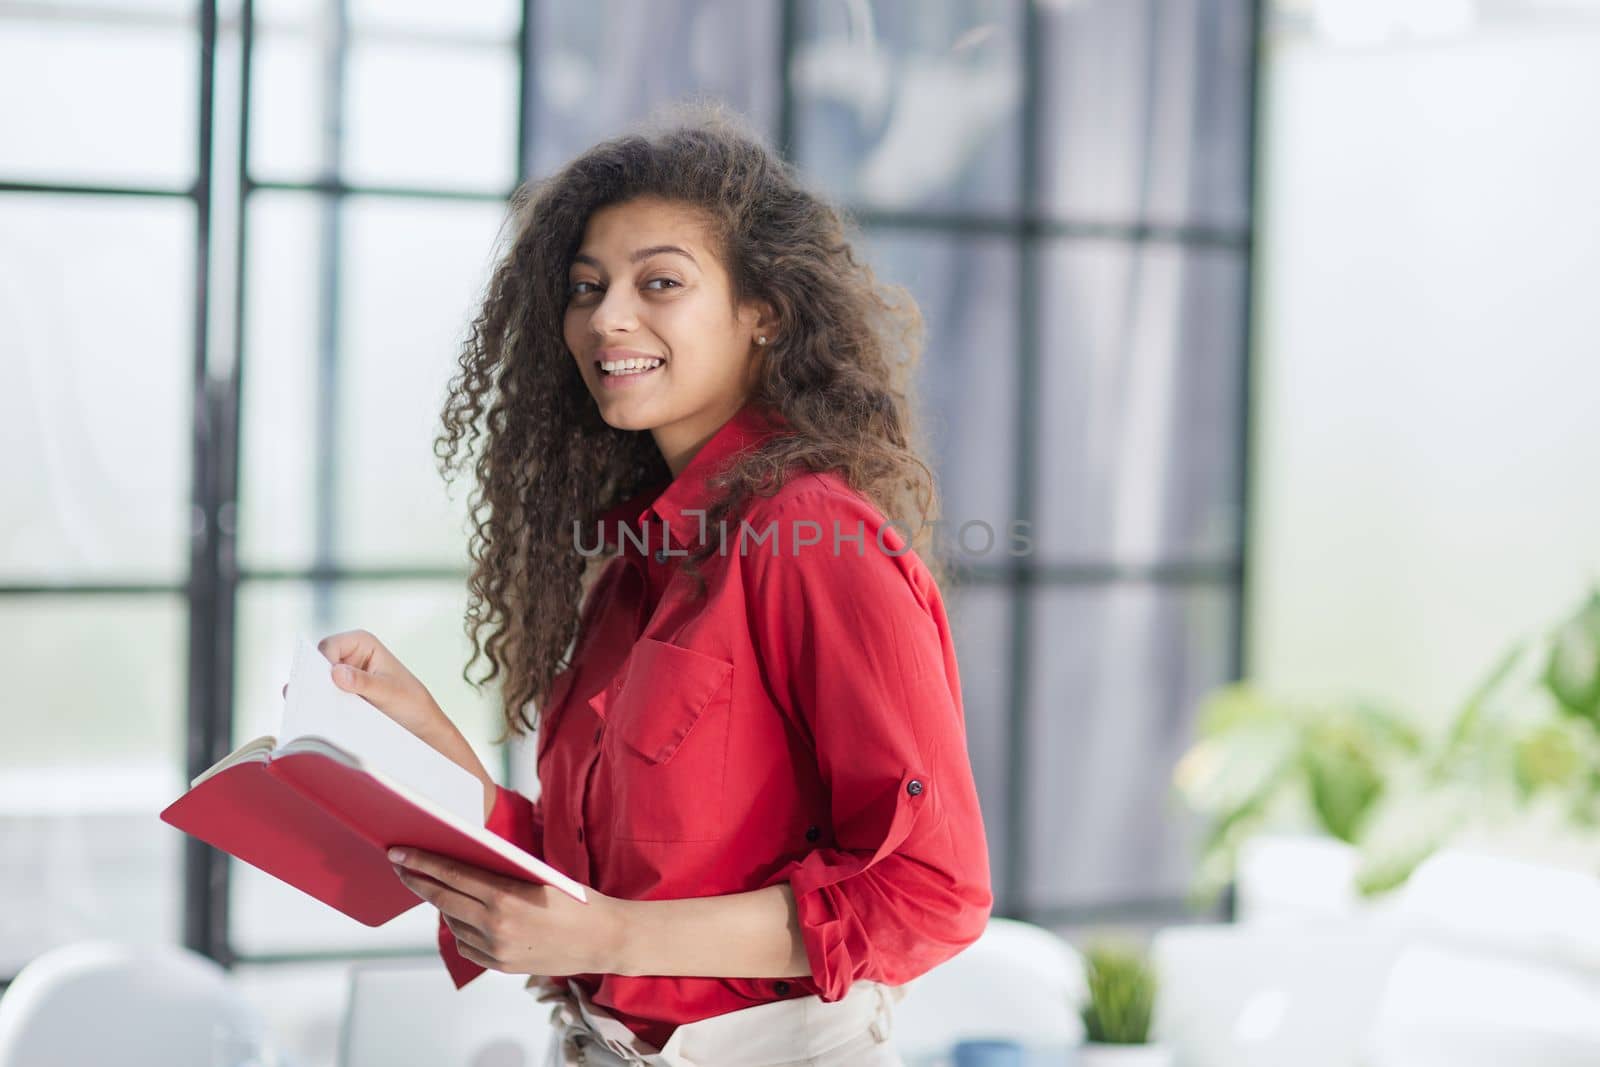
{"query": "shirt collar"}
[(688, 492)]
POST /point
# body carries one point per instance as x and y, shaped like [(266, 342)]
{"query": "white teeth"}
[(629, 366)]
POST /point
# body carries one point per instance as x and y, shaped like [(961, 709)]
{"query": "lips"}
[(641, 361), (636, 368)]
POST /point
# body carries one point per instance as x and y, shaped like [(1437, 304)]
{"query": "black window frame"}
[(212, 586)]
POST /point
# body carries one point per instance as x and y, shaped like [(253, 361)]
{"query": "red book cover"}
[(314, 814)]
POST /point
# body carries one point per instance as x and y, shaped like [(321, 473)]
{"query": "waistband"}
[(775, 1034)]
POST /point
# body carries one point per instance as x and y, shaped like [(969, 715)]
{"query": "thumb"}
[(352, 679)]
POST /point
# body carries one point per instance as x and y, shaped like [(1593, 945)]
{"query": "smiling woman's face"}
[(646, 287)]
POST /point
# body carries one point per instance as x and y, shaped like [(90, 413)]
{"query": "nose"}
[(616, 313)]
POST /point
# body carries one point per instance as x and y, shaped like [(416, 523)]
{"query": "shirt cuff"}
[(833, 930), (462, 970), (512, 817)]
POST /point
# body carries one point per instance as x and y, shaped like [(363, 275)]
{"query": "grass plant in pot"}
[(1116, 1015)]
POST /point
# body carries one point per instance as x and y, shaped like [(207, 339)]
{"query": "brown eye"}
[(672, 281)]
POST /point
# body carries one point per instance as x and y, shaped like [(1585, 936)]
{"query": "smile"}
[(623, 367), (627, 374)]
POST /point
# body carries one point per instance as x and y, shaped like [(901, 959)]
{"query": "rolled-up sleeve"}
[(858, 647), (520, 821)]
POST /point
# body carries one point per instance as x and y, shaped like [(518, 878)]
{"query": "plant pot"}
[(1294, 877), (1094, 1054)]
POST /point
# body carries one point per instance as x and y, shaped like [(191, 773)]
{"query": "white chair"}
[(1505, 906), (1018, 981), (1445, 1006), (404, 1012), (1503, 966), (1271, 993), (99, 1002)]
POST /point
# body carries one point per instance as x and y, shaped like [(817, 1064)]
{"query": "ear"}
[(762, 320)]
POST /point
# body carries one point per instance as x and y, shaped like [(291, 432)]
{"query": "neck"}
[(682, 440)]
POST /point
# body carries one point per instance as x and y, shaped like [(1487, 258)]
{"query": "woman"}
[(691, 404)]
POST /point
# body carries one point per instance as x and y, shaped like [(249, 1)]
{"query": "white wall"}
[(1427, 452)]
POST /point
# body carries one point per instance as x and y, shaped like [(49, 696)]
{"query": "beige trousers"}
[(802, 1032)]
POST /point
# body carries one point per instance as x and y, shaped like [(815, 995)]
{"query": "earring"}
[(761, 340)]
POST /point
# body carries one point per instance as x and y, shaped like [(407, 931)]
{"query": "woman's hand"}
[(363, 666), (517, 927)]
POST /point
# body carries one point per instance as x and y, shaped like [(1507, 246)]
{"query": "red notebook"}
[(321, 809)]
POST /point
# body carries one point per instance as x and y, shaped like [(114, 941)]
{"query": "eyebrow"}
[(643, 253)]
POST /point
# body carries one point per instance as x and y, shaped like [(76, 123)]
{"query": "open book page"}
[(318, 708), (257, 748)]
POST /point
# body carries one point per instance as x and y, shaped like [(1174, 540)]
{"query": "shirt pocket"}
[(668, 727)]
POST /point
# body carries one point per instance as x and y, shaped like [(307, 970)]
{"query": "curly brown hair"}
[(546, 462)]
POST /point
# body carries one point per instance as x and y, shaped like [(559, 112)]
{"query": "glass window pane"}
[(980, 620), (432, 117), (1145, 111), (422, 624), (417, 113), (1141, 356), (413, 276), (95, 403), (288, 100), (1117, 676), (411, 273), (600, 66), (268, 916), (965, 288), (287, 11), (90, 758), (278, 409), (482, 18), (488, 18), (911, 104), (86, 102), (124, 11)]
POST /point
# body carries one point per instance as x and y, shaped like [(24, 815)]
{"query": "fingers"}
[(379, 690), (355, 655), (473, 955), (356, 647), (354, 679), (444, 897), (466, 934), (464, 880), (361, 664)]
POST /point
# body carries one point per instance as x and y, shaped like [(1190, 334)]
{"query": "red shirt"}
[(802, 723)]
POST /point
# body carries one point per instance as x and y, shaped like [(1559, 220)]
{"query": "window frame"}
[(212, 587)]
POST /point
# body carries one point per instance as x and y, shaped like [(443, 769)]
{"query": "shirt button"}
[(661, 555), (812, 833), (914, 787), (781, 988)]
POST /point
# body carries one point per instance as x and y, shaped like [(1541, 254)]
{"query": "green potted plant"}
[(1519, 758), (1117, 1012)]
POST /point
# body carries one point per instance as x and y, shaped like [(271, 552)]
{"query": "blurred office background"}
[(1274, 320)]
